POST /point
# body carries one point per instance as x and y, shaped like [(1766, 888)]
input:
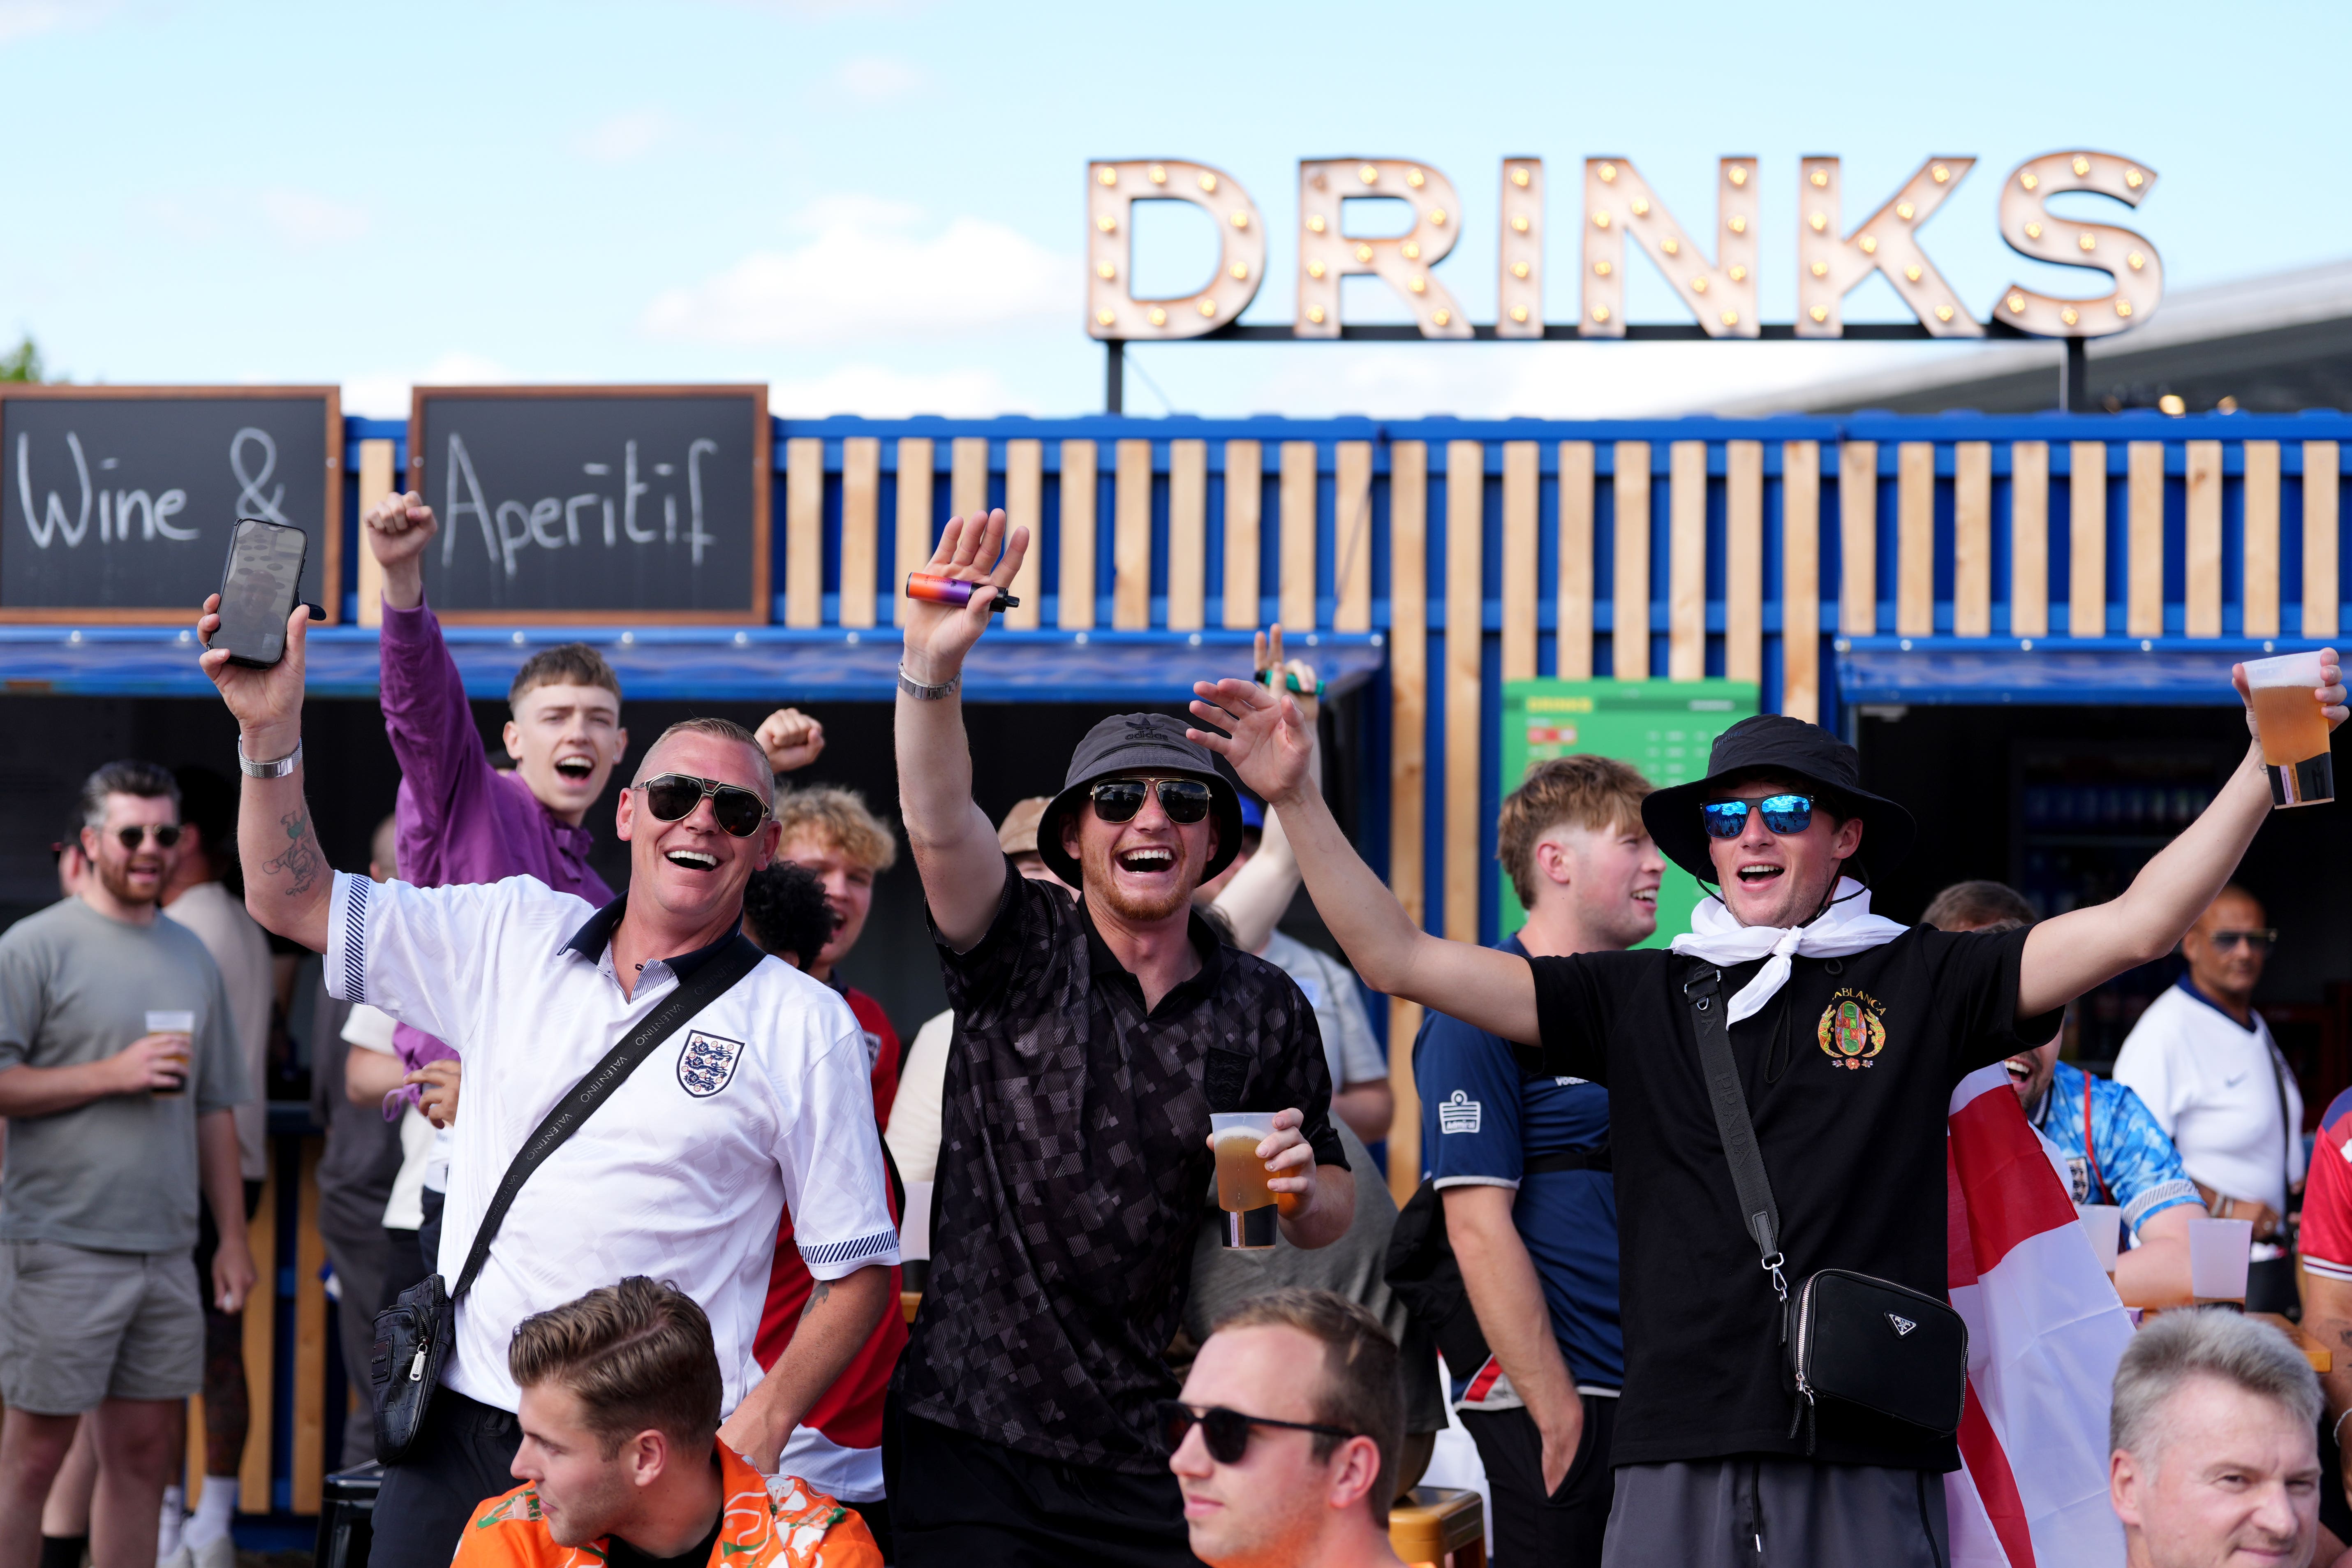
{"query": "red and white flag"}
[(2045, 1332)]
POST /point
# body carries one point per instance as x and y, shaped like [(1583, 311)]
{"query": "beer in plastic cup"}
[(2293, 728), (183, 1025), (2217, 1252), (1242, 1193), (2102, 1223)]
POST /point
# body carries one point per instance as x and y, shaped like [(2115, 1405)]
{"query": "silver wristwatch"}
[(921, 693), (272, 770)]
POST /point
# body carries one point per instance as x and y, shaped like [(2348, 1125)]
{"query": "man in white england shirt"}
[(2204, 1062), (758, 1100)]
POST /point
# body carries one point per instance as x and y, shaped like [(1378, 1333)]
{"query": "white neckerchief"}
[(1847, 926)]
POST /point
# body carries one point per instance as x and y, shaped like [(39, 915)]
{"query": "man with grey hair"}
[(2216, 1452)]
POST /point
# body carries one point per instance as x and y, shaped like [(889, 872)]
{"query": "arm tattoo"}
[(301, 859), (817, 1296)]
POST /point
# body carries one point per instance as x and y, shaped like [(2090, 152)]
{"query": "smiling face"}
[(692, 869), (566, 740), (583, 1493), (1143, 869), (1608, 878), (2234, 1479), (848, 889), (1780, 879), (133, 876)]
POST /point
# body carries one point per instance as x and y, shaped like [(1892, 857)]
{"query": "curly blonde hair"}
[(840, 818)]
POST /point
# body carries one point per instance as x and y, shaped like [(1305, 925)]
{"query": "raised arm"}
[(954, 842), (287, 884), (2068, 954), (1269, 746), (426, 713), (1255, 901)]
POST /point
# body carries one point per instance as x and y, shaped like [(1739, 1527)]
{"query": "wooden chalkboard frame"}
[(759, 611), (330, 565)]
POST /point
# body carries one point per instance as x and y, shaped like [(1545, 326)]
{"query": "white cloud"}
[(383, 394), (864, 274), (29, 19), (880, 79), (880, 392), (624, 138), (306, 220)]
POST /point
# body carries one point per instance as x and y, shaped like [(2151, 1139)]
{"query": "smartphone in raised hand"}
[(259, 586)]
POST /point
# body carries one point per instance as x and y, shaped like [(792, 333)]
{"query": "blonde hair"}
[(840, 818), (1588, 791)]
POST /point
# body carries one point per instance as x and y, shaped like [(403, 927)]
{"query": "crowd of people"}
[(626, 1176)]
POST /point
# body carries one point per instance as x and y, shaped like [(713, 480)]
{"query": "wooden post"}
[(311, 1426), (1972, 539), (1408, 768), (375, 483), (1915, 538), (2260, 595), (861, 513), (1025, 507), (1743, 560), (2202, 616), (1244, 501), (2144, 566), (2028, 539), (1188, 535), (2087, 567), (1297, 551), (2322, 475), (1131, 584), (1078, 586), (1572, 614), (1686, 563), (1858, 538), (1352, 534), (916, 536), (259, 1323), (968, 476), (1801, 579), (1522, 503), (1466, 497), (1630, 639), (803, 531)]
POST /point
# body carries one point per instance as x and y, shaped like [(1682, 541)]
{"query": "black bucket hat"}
[(1788, 748), (1129, 743)]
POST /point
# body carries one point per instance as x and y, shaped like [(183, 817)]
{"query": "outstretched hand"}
[(268, 703), (1268, 740), (971, 550)]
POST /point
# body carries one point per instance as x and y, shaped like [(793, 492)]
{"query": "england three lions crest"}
[(707, 1065)]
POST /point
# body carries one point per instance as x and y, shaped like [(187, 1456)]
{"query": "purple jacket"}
[(458, 818)]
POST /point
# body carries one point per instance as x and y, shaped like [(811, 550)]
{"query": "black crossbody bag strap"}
[(704, 985), (1758, 1211)]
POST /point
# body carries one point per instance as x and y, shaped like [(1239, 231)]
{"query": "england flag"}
[(2045, 1332)]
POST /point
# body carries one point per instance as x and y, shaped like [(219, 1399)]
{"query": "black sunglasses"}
[(672, 797), (166, 834), (1782, 813), (1227, 1432), (1118, 800), (2259, 940)]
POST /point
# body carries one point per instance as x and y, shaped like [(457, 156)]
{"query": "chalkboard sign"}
[(116, 502), (627, 504)]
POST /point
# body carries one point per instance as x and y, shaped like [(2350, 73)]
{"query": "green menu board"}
[(1663, 728)]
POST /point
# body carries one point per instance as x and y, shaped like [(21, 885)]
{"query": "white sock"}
[(174, 1517), (210, 1522)]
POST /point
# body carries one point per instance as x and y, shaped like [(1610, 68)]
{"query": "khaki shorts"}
[(79, 1327)]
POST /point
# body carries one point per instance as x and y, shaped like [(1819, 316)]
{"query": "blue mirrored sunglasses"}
[(1782, 813)]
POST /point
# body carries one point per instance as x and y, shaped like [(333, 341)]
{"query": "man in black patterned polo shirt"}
[(1093, 1038)]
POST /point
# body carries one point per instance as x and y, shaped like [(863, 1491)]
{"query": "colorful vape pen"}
[(952, 591)]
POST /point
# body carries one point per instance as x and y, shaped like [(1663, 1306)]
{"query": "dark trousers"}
[(429, 1235), (1771, 1512), (1565, 1529), (460, 1459), (363, 1259), (957, 1502)]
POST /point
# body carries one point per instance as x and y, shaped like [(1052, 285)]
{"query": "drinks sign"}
[(1717, 284)]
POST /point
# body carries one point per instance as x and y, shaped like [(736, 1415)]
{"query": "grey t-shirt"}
[(1349, 1049), (118, 1174)]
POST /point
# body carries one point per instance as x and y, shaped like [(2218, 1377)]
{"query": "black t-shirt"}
[(1074, 1149), (1848, 1073)]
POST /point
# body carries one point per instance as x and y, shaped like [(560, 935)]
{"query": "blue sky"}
[(878, 207)]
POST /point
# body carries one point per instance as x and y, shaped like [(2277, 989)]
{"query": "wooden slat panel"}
[(1244, 501), (1077, 588), (1858, 538), (1408, 763), (1352, 523), (1630, 595), (1572, 615), (375, 483), (1297, 552), (861, 512), (2203, 573), (1025, 507), (311, 1424), (1522, 498), (1972, 539), (2028, 539), (1188, 535), (2086, 565), (259, 1324), (968, 476), (2322, 475), (1131, 584), (1743, 560), (1801, 579), (803, 530), (2259, 598), (1466, 491), (1686, 563), (916, 536), (1915, 538), (2144, 565)]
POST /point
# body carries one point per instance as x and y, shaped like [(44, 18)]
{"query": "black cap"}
[(1129, 743), (1789, 748)]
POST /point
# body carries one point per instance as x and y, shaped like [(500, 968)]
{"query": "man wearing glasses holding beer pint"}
[(1847, 1033)]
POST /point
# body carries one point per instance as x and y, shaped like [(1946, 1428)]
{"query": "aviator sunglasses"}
[(1782, 813), (1227, 1432), (1185, 800), (166, 834), (2259, 940), (672, 797)]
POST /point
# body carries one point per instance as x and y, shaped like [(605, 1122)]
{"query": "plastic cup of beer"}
[(183, 1025), (1249, 1214), (2293, 728), (2218, 1253), (2104, 1224)]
